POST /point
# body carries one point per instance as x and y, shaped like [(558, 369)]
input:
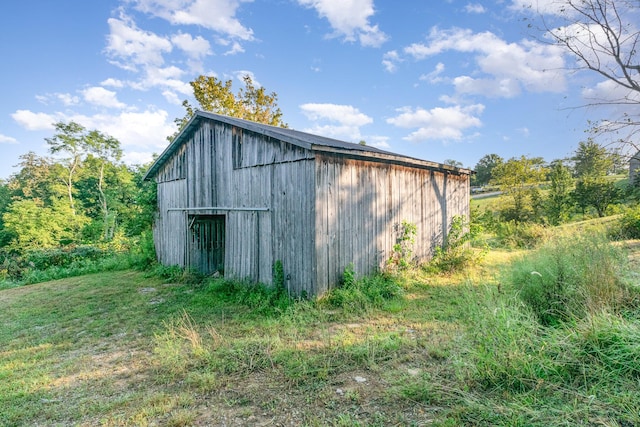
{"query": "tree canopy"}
[(249, 103)]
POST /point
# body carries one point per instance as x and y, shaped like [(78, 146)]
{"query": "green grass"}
[(121, 348)]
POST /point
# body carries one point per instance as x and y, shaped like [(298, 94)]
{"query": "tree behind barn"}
[(249, 103)]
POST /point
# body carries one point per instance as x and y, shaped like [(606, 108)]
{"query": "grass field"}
[(120, 348)]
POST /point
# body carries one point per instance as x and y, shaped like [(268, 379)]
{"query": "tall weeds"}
[(569, 278), (563, 326)]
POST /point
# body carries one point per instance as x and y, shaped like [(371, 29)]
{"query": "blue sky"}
[(430, 79)]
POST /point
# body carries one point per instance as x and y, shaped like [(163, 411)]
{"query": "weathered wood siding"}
[(314, 212), (360, 205), (263, 186), (170, 227)]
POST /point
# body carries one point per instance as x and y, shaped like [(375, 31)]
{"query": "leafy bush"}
[(521, 235), (569, 278), (363, 294), (402, 252), (456, 253), (262, 299), (628, 225)]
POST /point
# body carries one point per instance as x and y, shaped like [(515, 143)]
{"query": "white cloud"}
[(434, 76), (390, 60), (349, 19), (508, 67), (216, 15), (240, 75), (131, 46), (344, 120), (34, 121), (547, 7), (142, 132), (102, 97), (381, 142), (167, 78), (438, 123), (492, 88), (65, 98), (195, 48), (608, 91), (235, 49), (111, 82), (344, 114), (474, 8), (7, 139), (171, 97)]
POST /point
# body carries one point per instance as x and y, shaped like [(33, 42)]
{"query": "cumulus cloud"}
[(390, 60), (195, 48), (143, 132), (7, 139), (163, 77), (434, 76), (344, 120), (508, 67), (216, 15), (349, 19), (102, 97), (146, 130), (445, 124), (111, 82), (131, 47), (475, 8), (345, 114), (35, 121), (547, 7), (65, 98)]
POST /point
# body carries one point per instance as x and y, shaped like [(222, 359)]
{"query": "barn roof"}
[(301, 139)]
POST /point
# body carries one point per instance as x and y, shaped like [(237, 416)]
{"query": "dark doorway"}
[(206, 243)]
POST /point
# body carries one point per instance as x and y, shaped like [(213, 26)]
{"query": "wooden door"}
[(207, 243)]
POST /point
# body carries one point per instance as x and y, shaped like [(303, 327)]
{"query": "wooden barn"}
[(239, 197)]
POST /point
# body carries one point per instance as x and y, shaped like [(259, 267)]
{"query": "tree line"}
[(82, 193), (549, 193)]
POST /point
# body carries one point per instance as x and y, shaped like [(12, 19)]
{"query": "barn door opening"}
[(206, 243)]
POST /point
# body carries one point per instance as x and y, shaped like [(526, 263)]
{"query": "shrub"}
[(456, 253), (402, 252), (363, 294), (628, 225), (569, 278), (520, 235), (261, 299)]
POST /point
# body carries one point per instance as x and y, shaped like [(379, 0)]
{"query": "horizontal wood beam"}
[(217, 208)]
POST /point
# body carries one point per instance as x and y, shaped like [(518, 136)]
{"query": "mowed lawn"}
[(121, 348)]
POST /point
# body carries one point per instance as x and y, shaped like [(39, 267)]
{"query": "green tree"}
[(559, 201), (69, 139), (5, 201), (591, 160), (518, 178), (106, 152), (454, 163), (592, 163), (30, 225), (485, 166), (34, 179), (596, 192), (250, 102)]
